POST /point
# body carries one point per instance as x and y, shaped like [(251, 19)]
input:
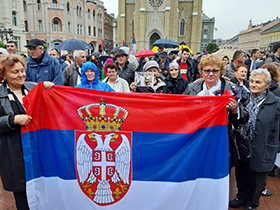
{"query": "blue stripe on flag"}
[(155, 156)]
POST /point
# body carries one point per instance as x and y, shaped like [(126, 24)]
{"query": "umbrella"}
[(96, 54), (167, 43), (185, 46), (144, 53), (73, 44), (114, 50), (104, 57)]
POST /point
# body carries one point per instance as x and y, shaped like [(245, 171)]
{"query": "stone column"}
[(196, 26)]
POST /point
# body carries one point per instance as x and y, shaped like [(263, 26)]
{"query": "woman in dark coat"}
[(175, 83), (12, 117), (263, 132), (240, 73)]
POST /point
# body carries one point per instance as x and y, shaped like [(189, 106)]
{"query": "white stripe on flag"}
[(58, 194)]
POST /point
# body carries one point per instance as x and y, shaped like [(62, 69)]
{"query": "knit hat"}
[(150, 64)]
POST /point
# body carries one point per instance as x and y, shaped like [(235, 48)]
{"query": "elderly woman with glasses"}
[(211, 69), (89, 78), (175, 83), (263, 132)]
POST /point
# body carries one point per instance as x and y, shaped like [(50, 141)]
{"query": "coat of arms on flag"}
[(103, 153)]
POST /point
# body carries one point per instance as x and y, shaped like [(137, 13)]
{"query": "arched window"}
[(39, 4), (182, 28), (93, 13), (54, 2), (77, 10), (14, 18), (88, 13), (68, 7), (24, 5), (80, 11), (56, 25)]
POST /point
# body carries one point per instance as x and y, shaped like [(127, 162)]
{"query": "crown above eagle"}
[(100, 121)]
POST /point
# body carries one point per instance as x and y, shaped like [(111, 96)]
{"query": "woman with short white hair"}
[(263, 132)]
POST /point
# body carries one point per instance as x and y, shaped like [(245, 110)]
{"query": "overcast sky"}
[(231, 16)]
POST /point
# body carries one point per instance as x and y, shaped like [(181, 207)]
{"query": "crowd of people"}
[(253, 80)]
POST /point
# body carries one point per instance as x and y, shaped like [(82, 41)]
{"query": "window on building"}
[(68, 7), (14, 18), (88, 13), (26, 25), (94, 31), (80, 11), (69, 27), (205, 27), (81, 30), (89, 30), (39, 4), (77, 10), (55, 25), (40, 25), (78, 29), (93, 13), (182, 28), (54, 3), (24, 6), (205, 36)]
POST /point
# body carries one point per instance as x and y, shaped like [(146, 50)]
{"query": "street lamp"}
[(6, 34)]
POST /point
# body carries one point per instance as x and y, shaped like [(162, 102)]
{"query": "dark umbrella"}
[(96, 54), (182, 43), (104, 57), (114, 50), (144, 53), (73, 44), (166, 43)]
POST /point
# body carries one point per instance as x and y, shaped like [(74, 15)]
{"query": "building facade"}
[(270, 33), (207, 32), (108, 31), (57, 20), (12, 19), (149, 20)]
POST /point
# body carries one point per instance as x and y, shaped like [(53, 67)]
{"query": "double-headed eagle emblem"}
[(100, 164)]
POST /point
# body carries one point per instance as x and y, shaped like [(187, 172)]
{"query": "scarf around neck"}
[(253, 110)]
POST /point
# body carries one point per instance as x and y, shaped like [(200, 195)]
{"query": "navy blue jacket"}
[(62, 64), (177, 85), (47, 70)]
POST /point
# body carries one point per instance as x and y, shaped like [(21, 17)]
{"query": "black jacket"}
[(274, 88), (177, 85), (191, 73), (266, 135), (11, 156), (127, 72), (159, 87), (235, 81)]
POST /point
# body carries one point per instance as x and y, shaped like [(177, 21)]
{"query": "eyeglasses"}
[(34, 48), (89, 71), (214, 71)]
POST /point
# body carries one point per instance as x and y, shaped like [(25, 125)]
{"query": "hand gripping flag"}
[(87, 149)]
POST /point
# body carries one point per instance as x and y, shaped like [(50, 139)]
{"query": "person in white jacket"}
[(117, 83)]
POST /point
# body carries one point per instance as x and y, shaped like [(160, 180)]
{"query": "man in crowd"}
[(239, 57), (163, 63), (72, 73), (54, 52), (125, 69), (275, 56), (41, 66), (12, 47), (252, 62), (186, 65)]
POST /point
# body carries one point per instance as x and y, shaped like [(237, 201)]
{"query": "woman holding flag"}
[(12, 117)]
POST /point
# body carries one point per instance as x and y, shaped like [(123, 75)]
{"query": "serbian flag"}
[(134, 43), (124, 44), (87, 149), (103, 48), (206, 52)]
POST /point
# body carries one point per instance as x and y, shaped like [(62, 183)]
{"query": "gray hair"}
[(173, 65), (263, 72), (77, 53)]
